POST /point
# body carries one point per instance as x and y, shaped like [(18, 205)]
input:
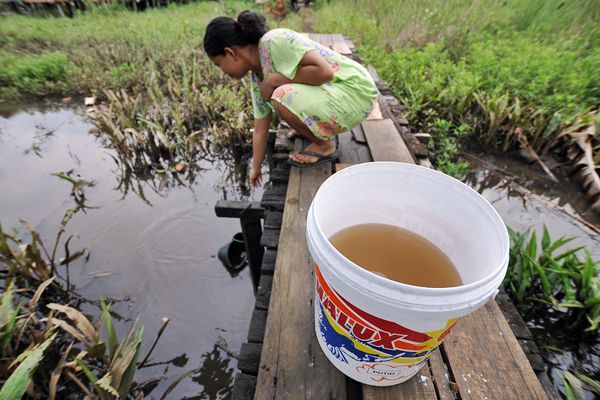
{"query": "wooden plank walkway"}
[(480, 359)]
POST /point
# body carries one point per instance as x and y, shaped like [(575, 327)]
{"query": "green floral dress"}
[(327, 109)]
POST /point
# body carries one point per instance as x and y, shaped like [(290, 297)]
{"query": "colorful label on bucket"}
[(370, 343)]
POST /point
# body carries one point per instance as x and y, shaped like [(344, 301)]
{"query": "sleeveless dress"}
[(328, 109)]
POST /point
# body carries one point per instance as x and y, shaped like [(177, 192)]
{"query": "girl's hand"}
[(255, 177)]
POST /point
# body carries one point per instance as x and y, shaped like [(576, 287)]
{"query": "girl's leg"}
[(319, 146)]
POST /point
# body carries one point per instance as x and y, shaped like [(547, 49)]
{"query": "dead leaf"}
[(585, 167), (55, 375), (38, 293), (82, 324), (530, 154)]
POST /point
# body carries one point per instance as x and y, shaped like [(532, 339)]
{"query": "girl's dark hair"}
[(224, 32)]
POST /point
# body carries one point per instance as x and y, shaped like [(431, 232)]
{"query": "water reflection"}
[(153, 169), (526, 201), (215, 376), (161, 260)]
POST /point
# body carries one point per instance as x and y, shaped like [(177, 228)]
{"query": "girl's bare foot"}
[(324, 148)]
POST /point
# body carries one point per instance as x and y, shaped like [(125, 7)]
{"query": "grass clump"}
[(566, 281), (501, 67)]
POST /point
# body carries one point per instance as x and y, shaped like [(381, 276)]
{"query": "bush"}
[(40, 74)]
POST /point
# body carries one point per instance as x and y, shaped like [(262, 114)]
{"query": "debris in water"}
[(181, 167), (90, 101)]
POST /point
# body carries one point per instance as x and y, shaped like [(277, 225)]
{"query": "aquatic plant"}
[(566, 281), (48, 347)]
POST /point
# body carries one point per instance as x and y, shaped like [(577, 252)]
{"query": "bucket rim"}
[(499, 268)]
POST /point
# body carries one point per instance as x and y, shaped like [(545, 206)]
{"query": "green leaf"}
[(575, 386), (554, 349), (568, 253), (542, 275), (588, 270), (532, 247), (8, 317), (570, 294), (105, 384), (570, 304), (176, 382), (110, 329), (545, 239), (129, 374), (559, 243), (88, 372), (569, 394), (16, 384), (592, 383)]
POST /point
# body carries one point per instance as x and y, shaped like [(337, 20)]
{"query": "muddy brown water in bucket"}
[(397, 254)]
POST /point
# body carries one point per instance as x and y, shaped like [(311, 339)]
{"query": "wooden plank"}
[(352, 151), (270, 238), (268, 264), (256, 332), (375, 112), (424, 162), (441, 375), (339, 45), (279, 175), (342, 48), (282, 142), (292, 363), (315, 37), (487, 361), (235, 209), (327, 40), (249, 358), (252, 231), (359, 134), (243, 387), (341, 166), (263, 292), (273, 219), (385, 142), (418, 387)]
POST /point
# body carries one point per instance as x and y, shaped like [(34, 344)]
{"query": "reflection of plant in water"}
[(48, 348), (214, 375), (184, 112)]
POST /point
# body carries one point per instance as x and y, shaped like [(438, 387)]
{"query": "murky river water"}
[(157, 255), (526, 199)]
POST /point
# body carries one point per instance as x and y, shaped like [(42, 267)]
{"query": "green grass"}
[(493, 65), (104, 48)]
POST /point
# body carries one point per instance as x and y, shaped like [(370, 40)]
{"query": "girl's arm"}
[(260, 138), (312, 70)]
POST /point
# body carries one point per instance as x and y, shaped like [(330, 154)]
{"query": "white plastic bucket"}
[(378, 331)]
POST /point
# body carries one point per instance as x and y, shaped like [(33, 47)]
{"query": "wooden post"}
[(250, 214), (252, 230)]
